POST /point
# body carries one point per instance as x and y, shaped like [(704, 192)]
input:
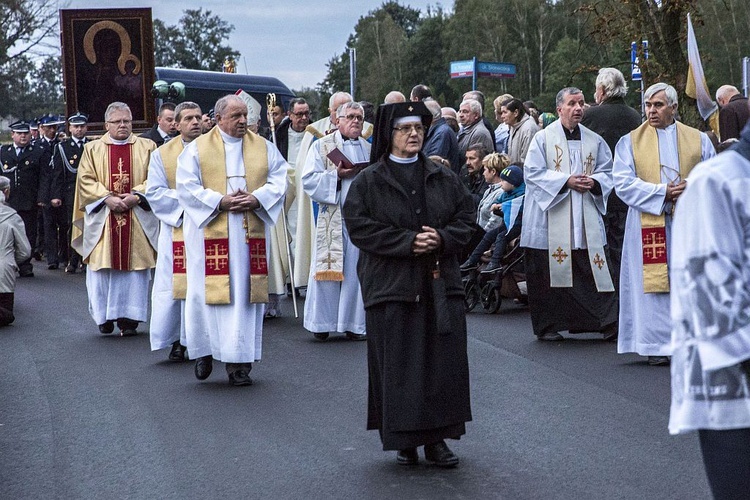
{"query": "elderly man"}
[(14, 249), (27, 167), (441, 140), (568, 174), (231, 184), (650, 168), (612, 119), (164, 129), (478, 95), (114, 229), (167, 327), (472, 172), (334, 300), (734, 112), (473, 130), (393, 97)]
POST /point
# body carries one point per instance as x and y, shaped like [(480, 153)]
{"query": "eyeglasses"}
[(300, 114), (120, 122), (407, 129), (358, 118)]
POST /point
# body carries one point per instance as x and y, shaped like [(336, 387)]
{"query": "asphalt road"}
[(88, 416)]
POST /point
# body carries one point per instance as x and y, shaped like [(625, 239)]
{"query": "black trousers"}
[(29, 218), (726, 456), (56, 240), (6, 309), (72, 256)]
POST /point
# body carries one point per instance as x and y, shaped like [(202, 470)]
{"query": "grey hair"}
[(182, 107), (613, 82), (474, 105), (341, 111), (561, 95), (116, 106), (726, 91), (223, 103), (669, 91), (336, 95), (434, 107), (4, 183)]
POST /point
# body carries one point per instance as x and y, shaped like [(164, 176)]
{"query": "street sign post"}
[(472, 68)]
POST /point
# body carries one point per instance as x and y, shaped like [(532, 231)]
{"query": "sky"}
[(291, 40)]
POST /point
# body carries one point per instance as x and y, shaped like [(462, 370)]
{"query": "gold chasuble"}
[(211, 155), (169, 153), (107, 240), (649, 168)]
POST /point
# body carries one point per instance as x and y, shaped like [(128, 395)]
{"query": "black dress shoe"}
[(203, 367), (356, 336), (658, 360), (27, 274), (178, 352), (408, 456), (107, 327), (322, 337), (440, 455), (611, 332), (240, 377), (551, 337), (70, 268)]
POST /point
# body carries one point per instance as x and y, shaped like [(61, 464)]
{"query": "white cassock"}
[(645, 324), (230, 333), (167, 314), (334, 306)]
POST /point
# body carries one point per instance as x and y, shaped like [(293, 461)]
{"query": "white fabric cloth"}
[(167, 323), (233, 332), (118, 294), (710, 275), (545, 188), (645, 324), (334, 306)]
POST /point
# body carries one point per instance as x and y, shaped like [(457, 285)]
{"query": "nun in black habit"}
[(410, 219)]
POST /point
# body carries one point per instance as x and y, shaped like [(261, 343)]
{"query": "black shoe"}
[(53, 267), (70, 268), (37, 256), (356, 336), (440, 455), (468, 266), (409, 456), (551, 336), (322, 337), (239, 378), (658, 360), (27, 274), (127, 327), (107, 327), (611, 332), (491, 267), (203, 367), (178, 352)]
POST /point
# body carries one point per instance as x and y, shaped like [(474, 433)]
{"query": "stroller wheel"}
[(491, 298), (471, 295)]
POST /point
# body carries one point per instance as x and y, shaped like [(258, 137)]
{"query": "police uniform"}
[(65, 159), (28, 171), (52, 235)]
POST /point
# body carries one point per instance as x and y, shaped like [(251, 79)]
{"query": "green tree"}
[(194, 43)]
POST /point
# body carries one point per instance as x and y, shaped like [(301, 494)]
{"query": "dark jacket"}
[(282, 137), (65, 160), (382, 224), (733, 117), (441, 141), (28, 174), (154, 135)]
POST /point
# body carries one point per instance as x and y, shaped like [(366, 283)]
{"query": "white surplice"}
[(167, 314), (645, 323), (233, 332), (334, 306)]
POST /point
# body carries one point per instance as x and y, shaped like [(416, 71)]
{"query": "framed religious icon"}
[(108, 56)]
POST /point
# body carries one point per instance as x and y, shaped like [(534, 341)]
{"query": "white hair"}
[(223, 103), (474, 105), (337, 95), (669, 91), (116, 106), (613, 82)]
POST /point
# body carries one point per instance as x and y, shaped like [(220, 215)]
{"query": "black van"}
[(206, 87)]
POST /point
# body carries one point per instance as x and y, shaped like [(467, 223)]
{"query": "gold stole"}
[(653, 227), (169, 153), (211, 155), (329, 228)]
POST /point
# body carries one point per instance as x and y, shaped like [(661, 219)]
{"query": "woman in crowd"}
[(522, 129)]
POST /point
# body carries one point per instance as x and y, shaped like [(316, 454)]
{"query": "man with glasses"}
[(334, 300), (650, 167), (114, 229)]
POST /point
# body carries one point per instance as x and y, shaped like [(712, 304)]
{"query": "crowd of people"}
[(378, 220)]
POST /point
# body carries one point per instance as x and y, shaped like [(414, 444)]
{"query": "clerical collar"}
[(572, 135), (118, 142), (228, 138), (345, 138), (403, 161)]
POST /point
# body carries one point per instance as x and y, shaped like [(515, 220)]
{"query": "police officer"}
[(27, 167), (67, 155), (51, 236)]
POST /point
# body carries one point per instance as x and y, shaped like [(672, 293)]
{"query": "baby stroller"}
[(489, 289)]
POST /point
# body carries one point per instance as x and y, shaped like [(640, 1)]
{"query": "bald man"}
[(733, 114)]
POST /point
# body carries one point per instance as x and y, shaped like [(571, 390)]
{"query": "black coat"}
[(733, 117), (28, 174), (282, 137), (383, 224), (154, 135), (64, 171)]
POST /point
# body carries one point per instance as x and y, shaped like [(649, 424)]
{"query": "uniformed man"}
[(53, 233), (23, 165), (65, 160)]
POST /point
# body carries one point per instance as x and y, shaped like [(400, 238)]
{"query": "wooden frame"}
[(108, 56)]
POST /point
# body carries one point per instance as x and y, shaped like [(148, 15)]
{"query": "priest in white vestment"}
[(650, 167), (167, 326), (114, 229), (568, 175), (334, 300), (231, 185), (304, 235)]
